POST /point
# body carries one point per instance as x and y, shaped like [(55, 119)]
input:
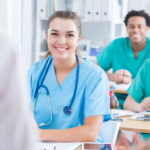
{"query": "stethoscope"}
[(67, 110)]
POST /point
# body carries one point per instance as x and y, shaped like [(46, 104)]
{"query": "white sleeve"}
[(15, 127)]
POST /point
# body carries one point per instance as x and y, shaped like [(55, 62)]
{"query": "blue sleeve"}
[(98, 101), (105, 58)]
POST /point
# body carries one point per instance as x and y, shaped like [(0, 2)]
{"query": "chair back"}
[(109, 131)]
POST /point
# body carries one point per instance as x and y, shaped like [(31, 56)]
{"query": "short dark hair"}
[(140, 13)]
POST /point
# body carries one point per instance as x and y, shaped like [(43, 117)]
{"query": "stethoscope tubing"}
[(76, 82), (43, 86)]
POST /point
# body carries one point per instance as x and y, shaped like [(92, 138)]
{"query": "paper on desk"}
[(43, 145), (119, 86), (121, 112), (137, 115), (59, 146)]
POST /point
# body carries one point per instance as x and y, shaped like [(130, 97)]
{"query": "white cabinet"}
[(100, 32)]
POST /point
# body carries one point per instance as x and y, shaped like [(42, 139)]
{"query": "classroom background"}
[(25, 21)]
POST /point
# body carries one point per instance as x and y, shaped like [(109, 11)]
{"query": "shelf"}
[(95, 21), (92, 21), (97, 31), (44, 18), (119, 21)]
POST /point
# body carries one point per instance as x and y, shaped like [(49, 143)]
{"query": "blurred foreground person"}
[(15, 129), (139, 144)]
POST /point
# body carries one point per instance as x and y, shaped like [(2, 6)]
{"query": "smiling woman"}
[(70, 95), (66, 18), (63, 38)]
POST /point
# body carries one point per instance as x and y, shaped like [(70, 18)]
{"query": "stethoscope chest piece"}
[(67, 110)]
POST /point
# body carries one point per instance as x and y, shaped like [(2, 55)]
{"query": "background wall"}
[(24, 32), (3, 13), (28, 30), (134, 4), (140, 5)]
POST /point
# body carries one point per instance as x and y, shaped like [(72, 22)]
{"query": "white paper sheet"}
[(56, 146), (119, 86), (141, 114), (121, 112)]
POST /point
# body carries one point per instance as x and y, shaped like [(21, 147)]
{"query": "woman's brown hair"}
[(65, 15)]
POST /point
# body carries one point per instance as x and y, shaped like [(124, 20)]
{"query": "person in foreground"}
[(70, 95), (139, 145), (126, 55), (16, 132), (138, 99)]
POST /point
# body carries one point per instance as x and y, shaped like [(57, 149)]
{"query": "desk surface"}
[(119, 88), (120, 91), (134, 125)]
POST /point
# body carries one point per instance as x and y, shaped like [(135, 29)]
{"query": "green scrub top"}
[(119, 55), (140, 87)]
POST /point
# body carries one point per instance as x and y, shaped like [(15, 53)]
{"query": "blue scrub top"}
[(92, 96)]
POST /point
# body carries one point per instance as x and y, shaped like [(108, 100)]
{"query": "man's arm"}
[(131, 104)]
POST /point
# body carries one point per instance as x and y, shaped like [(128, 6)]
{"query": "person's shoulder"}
[(121, 40), (39, 64), (93, 70)]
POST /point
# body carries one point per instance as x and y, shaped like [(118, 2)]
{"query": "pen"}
[(54, 148)]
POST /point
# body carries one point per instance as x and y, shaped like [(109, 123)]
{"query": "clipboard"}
[(141, 116)]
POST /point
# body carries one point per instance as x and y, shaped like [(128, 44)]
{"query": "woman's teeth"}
[(61, 49)]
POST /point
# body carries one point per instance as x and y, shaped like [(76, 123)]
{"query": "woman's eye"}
[(70, 35), (131, 27), (54, 34)]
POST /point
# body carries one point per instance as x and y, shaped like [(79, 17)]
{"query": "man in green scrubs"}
[(126, 55), (138, 99)]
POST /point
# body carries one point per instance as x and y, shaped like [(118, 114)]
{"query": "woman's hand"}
[(145, 105), (122, 76), (139, 145)]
